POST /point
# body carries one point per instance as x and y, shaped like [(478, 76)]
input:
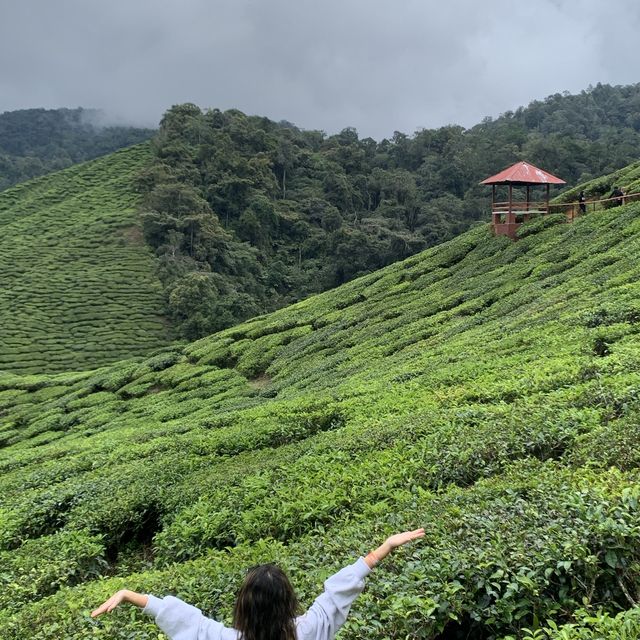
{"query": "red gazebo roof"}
[(523, 173)]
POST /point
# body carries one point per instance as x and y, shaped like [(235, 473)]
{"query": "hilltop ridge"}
[(34, 142), (483, 388)]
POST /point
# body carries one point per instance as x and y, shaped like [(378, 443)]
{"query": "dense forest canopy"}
[(247, 215), (34, 142)]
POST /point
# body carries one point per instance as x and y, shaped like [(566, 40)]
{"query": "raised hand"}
[(108, 606), (390, 544), (399, 539)]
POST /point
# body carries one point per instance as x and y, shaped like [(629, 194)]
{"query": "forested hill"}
[(34, 142), (247, 215), (485, 389)]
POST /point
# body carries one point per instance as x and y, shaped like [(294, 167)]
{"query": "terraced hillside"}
[(77, 283), (484, 389)]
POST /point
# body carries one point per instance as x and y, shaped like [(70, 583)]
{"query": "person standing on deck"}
[(582, 202), (618, 194)]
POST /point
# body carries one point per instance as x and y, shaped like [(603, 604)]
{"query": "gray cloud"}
[(377, 65)]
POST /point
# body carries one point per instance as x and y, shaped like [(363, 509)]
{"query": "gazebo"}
[(507, 216)]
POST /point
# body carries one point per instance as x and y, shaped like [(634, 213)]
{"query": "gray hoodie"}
[(181, 621)]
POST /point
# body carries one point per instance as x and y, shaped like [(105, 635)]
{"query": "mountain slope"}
[(485, 389), (77, 282)]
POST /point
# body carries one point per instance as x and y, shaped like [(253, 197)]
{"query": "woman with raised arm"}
[(266, 605)]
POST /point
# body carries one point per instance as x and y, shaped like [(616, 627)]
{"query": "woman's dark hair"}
[(266, 605)]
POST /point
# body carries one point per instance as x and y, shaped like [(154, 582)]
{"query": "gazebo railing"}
[(519, 207)]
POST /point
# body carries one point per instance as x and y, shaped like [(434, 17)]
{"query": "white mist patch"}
[(104, 119)]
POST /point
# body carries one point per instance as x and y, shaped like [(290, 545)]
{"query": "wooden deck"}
[(507, 217)]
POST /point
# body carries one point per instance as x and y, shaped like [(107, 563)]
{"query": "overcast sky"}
[(377, 65)]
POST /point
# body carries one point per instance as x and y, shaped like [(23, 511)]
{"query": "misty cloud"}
[(378, 66)]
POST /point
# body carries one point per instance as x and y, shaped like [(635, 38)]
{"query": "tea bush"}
[(77, 283), (460, 390)]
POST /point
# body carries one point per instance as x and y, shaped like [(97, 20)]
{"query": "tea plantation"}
[(77, 283), (484, 389)]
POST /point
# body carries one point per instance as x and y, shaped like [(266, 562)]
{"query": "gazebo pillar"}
[(548, 187), (511, 217), (495, 215)]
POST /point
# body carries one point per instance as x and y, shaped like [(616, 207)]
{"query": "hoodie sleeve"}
[(181, 621), (329, 610)]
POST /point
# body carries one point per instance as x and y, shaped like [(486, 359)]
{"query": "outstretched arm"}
[(329, 611), (178, 620), (119, 597), (391, 543)]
